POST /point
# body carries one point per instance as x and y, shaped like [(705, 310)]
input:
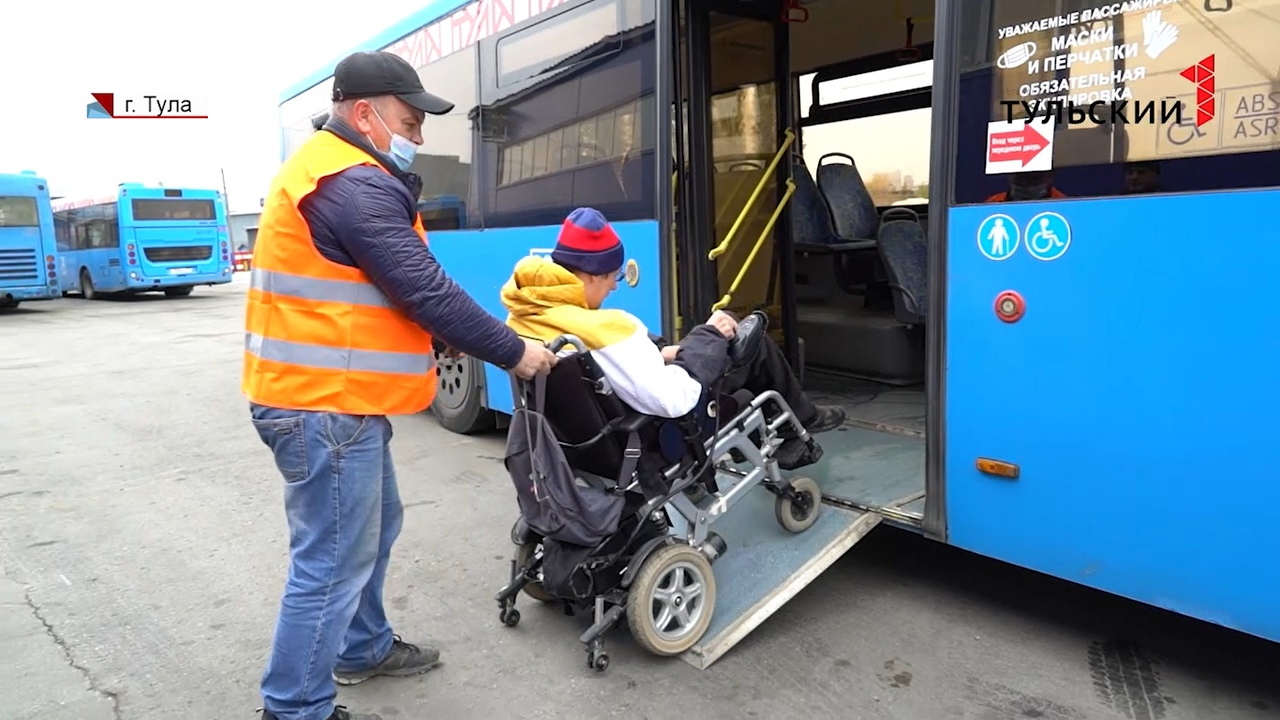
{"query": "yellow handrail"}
[(720, 249), (768, 228)]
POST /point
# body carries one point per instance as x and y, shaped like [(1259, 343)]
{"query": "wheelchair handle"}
[(558, 344)]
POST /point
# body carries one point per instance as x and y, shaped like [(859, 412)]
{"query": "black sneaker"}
[(794, 453), (339, 713), (828, 417), (404, 660)]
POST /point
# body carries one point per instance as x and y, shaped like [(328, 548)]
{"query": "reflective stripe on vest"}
[(307, 288), (332, 358)]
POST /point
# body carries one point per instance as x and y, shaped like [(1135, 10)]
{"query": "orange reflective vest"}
[(319, 335)]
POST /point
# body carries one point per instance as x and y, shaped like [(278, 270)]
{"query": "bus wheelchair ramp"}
[(765, 566)]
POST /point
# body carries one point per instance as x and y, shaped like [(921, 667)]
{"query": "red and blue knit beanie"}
[(588, 244)]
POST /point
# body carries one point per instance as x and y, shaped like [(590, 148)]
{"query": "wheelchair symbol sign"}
[(1048, 236), (998, 237)]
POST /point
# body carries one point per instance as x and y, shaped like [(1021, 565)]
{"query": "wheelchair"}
[(653, 566)]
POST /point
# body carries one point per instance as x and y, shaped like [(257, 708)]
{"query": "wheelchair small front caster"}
[(797, 507), (599, 662), (509, 617)]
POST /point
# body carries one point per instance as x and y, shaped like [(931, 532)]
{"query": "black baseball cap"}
[(370, 74)]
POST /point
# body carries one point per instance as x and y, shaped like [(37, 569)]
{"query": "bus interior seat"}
[(822, 254), (849, 332), (904, 250), (852, 209)]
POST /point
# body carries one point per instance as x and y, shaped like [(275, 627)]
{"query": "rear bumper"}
[(30, 292), (137, 281)]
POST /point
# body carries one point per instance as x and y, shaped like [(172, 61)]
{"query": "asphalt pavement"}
[(143, 550)]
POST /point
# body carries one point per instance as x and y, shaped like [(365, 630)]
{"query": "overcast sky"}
[(237, 54)]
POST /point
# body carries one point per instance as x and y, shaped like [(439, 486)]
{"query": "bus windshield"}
[(18, 212), (165, 209)]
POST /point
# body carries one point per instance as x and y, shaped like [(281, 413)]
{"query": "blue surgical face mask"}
[(402, 150)]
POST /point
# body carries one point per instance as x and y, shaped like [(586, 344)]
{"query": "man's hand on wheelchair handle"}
[(537, 359), (669, 353), (723, 322)]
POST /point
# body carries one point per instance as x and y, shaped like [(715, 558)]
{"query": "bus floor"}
[(877, 459)]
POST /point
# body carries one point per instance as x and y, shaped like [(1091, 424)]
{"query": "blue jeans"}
[(344, 514)]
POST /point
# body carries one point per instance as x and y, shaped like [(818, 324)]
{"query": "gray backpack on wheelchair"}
[(584, 525)]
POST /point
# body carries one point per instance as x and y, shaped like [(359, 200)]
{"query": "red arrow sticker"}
[(1020, 145)]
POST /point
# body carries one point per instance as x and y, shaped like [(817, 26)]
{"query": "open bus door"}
[(731, 188)]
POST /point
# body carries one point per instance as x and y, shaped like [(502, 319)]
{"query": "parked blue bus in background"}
[(1051, 337), (28, 252), (143, 239)]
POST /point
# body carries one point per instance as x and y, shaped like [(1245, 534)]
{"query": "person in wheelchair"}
[(564, 295)]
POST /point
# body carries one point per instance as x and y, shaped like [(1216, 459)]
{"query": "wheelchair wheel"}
[(669, 605), (533, 589), (798, 517)]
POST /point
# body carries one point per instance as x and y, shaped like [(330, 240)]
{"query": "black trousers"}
[(769, 370)]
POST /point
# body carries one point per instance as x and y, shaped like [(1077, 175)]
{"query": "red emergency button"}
[(1010, 306)]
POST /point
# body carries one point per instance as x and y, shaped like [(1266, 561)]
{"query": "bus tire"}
[(178, 291), (87, 291), (459, 404)]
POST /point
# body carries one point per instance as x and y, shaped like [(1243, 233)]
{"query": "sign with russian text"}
[(1019, 146), (1135, 80), (152, 106)]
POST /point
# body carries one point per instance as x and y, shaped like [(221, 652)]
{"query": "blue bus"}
[(143, 239), (28, 253), (1037, 366)]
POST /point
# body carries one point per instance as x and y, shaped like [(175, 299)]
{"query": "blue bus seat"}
[(820, 251), (904, 250), (852, 209)]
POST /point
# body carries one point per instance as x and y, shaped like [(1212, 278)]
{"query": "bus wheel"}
[(87, 290), (178, 292), (459, 404)]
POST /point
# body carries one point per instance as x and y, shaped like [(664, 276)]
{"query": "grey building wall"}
[(243, 229)]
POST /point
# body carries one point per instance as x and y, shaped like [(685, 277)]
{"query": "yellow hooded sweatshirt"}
[(544, 301)]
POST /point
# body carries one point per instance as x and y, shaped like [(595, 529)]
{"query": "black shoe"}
[(404, 660), (339, 713), (794, 453), (828, 417)]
